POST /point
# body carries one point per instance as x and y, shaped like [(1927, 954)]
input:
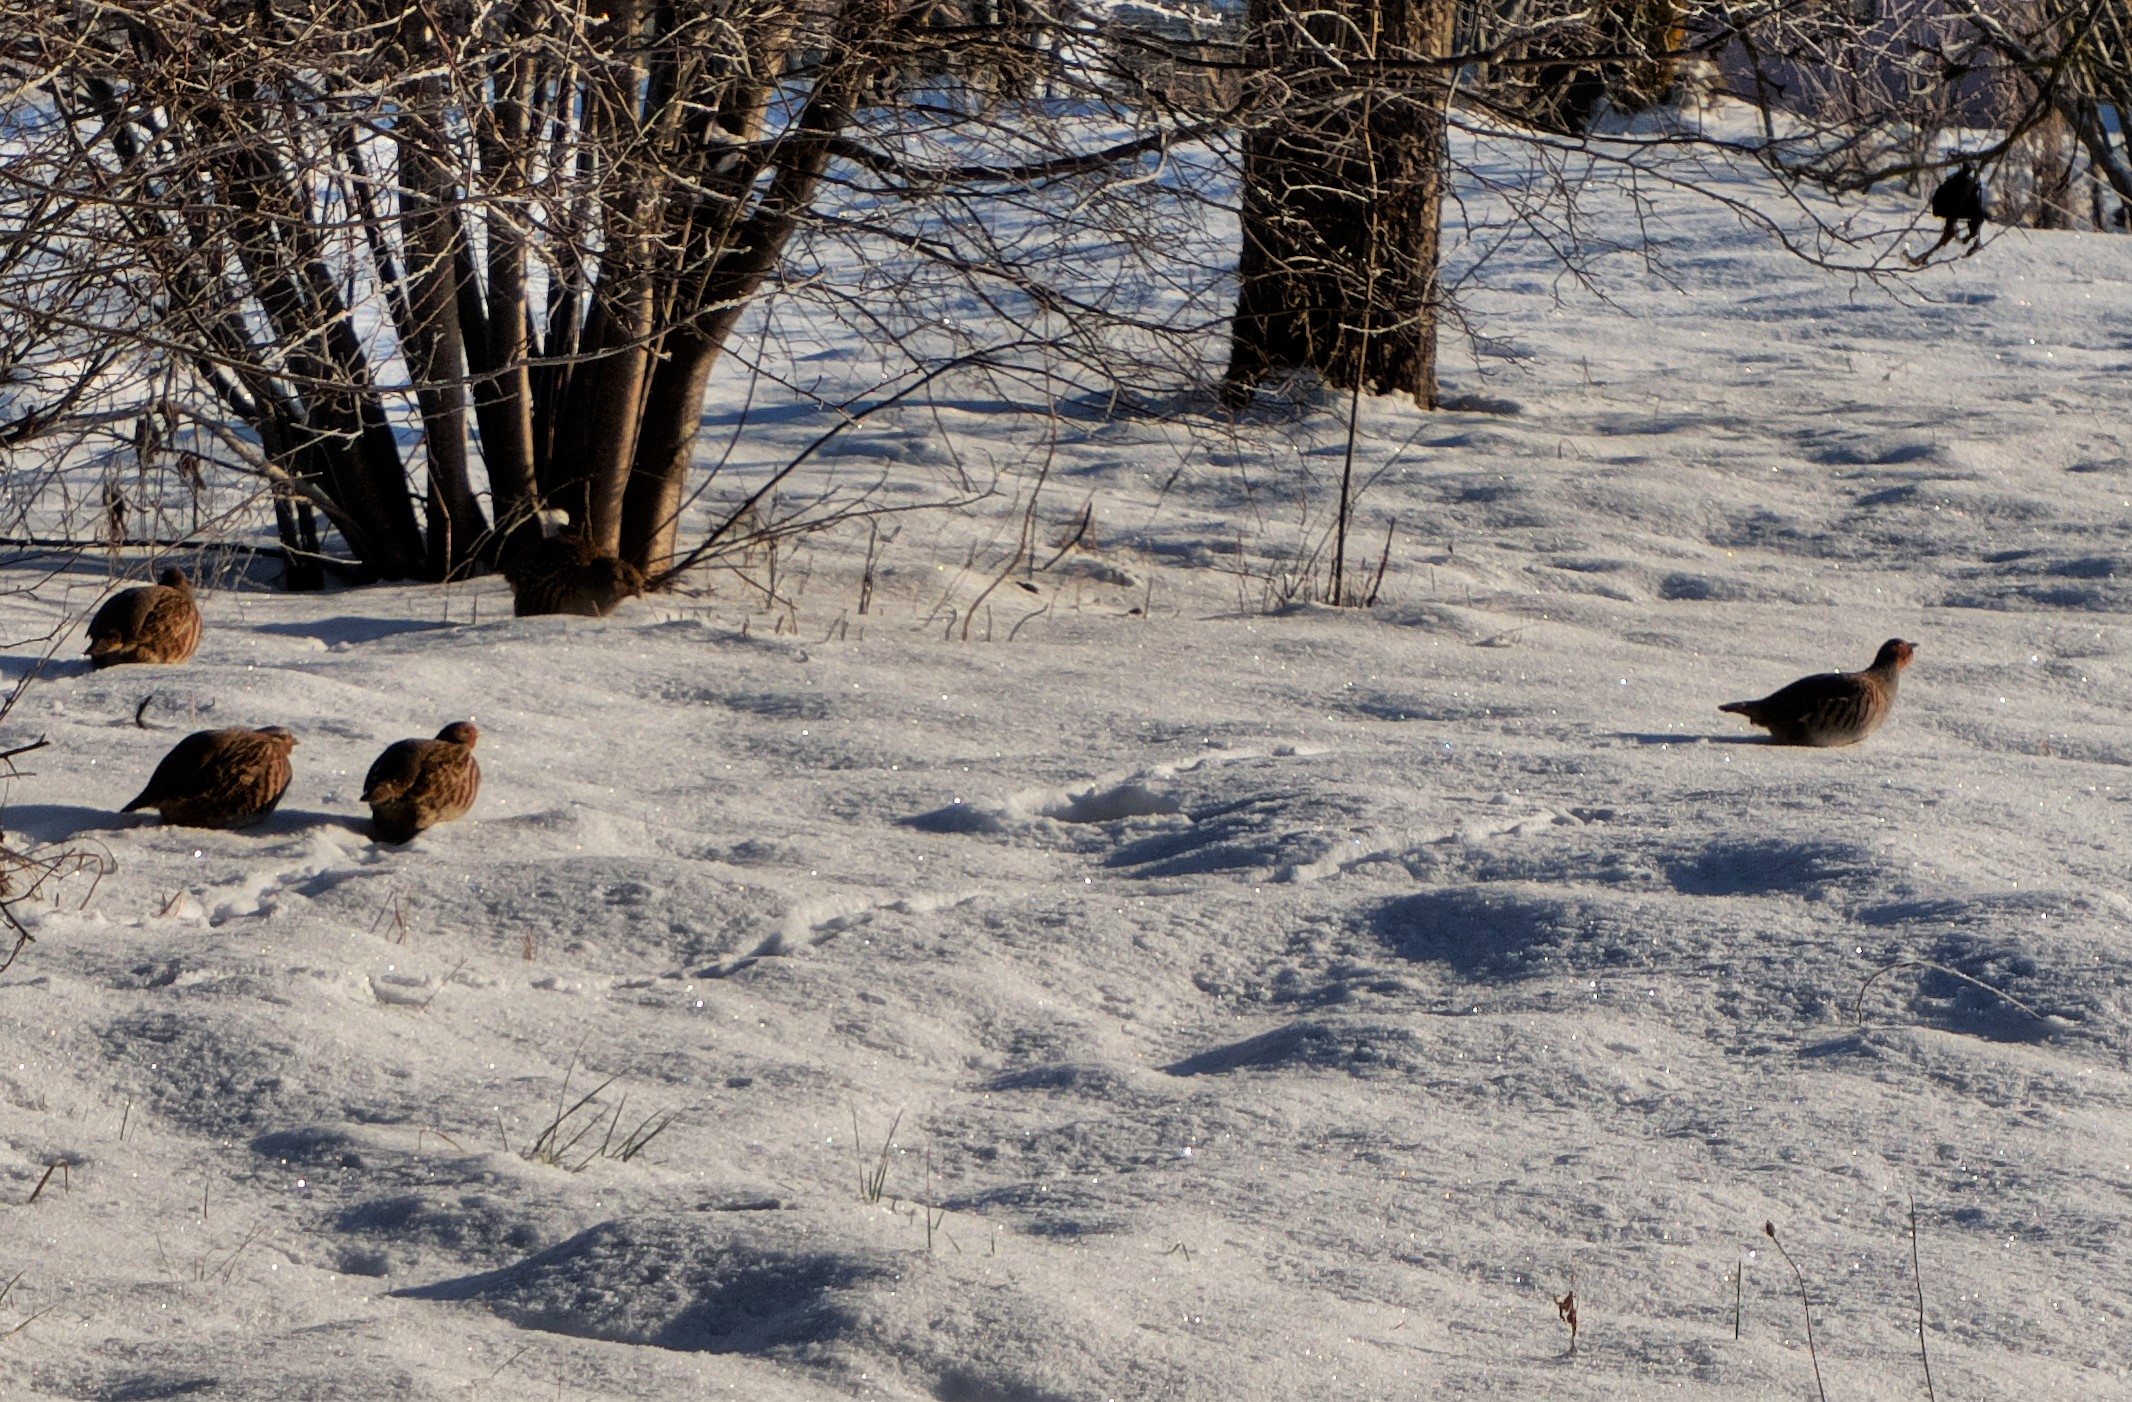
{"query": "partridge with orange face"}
[(417, 784), (1831, 708), (157, 622), (220, 778)]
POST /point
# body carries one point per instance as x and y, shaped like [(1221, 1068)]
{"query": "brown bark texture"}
[(1342, 196)]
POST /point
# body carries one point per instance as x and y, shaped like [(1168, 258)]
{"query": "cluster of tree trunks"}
[(540, 221), (614, 163)]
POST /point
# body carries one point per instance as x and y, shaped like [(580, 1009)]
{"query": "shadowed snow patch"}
[(1771, 866), (1703, 588), (1060, 1076), (473, 1227), (1360, 1049), (211, 1077), (153, 1387), (1517, 930), (1280, 831), (712, 1283)]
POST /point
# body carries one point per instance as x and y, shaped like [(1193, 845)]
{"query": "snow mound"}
[(786, 1288), (1095, 803)]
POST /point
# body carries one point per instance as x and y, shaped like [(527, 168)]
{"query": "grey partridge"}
[(564, 574), (220, 778), (1831, 708), (157, 622), (416, 784)]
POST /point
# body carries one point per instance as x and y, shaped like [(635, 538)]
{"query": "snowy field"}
[(1160, 992)]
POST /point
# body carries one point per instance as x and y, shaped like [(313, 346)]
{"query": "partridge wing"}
[(241, 782), (119, 621), (170, 631), (179, 773), (451, 778), (395, 771)]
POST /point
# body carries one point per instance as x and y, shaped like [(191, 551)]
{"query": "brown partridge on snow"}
[(564, 574), (418, 783), (220, 778), (155, 623), (1831, 708)]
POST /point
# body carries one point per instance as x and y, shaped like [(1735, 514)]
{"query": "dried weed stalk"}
[(28, 876), (1769, 1229)]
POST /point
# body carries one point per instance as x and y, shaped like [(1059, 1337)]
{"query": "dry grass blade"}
[(565, 1130), (549, 1146), (1769, 1229), (1917, 1275), (1858, 1006), (23, 940), (652, 1127), (24, 877), (873, 1182)]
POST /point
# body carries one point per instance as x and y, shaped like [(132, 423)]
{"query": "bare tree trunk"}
[(344, 431), (597, 441), (1342, 200), (301, 571), (651, 511), (2053, 153), (435, 348), (703, 318), (344, 215), (172, 244), (503, 391)]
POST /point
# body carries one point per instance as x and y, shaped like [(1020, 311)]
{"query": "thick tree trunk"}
[(614, 158), (606, 397), (651, 509), (344, 440), (738, 259), (435, 342), (597, 440), (503, 388), (2051, 153), (1342, 199)]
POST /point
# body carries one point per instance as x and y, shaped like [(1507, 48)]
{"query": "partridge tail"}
[(1742, 708)]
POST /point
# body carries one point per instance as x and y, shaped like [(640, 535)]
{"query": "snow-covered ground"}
[(1118, 985)]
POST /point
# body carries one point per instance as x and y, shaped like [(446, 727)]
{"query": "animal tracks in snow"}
[(1255, 815), (811, 924)]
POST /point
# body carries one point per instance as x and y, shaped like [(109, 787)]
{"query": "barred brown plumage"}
[(220, 778), (1831, 708), (564, 574), (416, 784), (156, 622)]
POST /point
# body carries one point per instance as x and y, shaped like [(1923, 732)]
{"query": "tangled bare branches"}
[(399, 278), (345, 226)]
